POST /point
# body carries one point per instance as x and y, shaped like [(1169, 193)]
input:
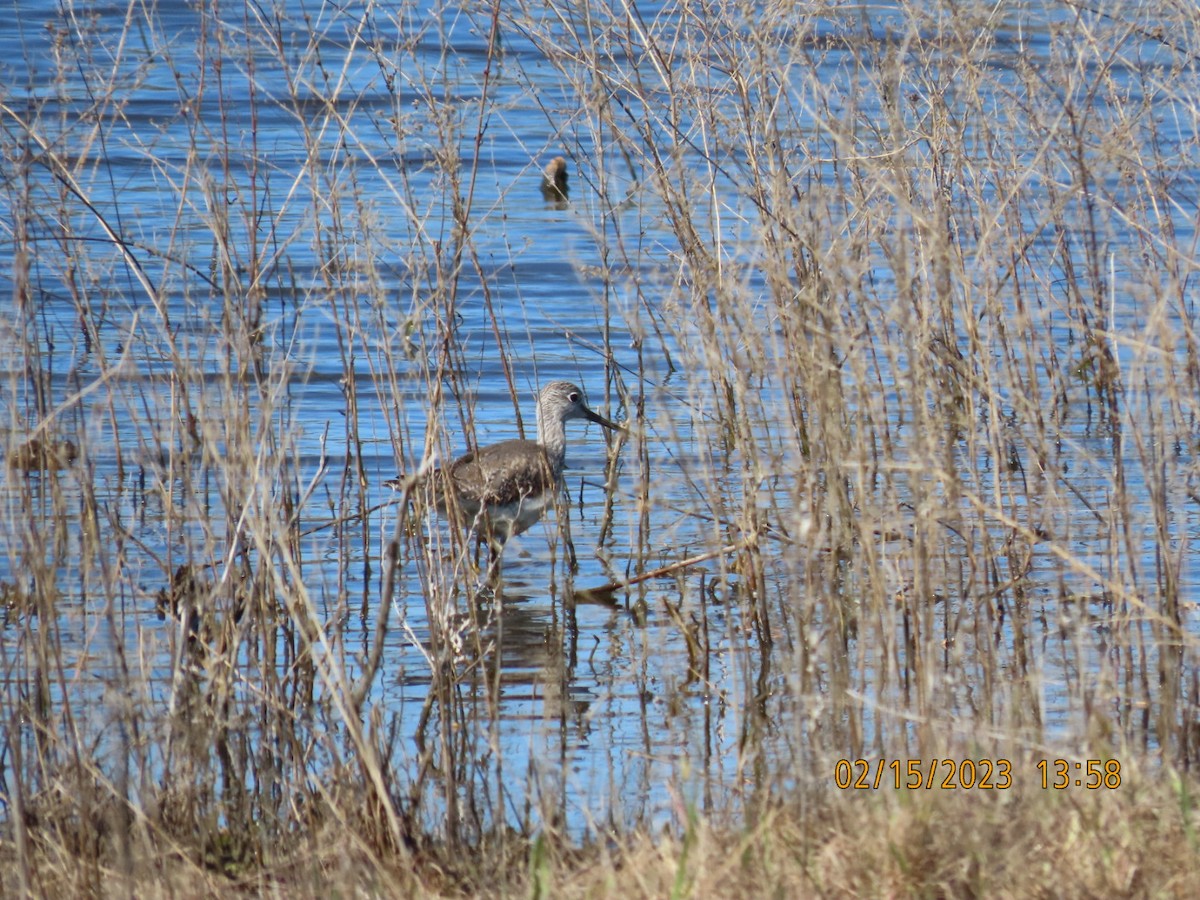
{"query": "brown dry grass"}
[(1138, 841), (902, 312)]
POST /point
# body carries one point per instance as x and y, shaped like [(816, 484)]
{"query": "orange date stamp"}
[(971, 774), (923, 774), (1093, 774)]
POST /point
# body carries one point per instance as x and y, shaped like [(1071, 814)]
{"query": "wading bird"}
[(502, 489)]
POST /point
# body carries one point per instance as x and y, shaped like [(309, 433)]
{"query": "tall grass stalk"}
[(898, 304)]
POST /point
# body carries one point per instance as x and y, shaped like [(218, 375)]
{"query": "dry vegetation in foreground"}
[(924, 284), (1138, 841)]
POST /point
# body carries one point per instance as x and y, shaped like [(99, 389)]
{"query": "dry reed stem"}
[(923, 282)]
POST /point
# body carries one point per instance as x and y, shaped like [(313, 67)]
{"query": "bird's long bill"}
[(600, 420)]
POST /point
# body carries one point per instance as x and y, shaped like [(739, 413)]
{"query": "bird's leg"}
[(492, 576), (479, 531), (488, 585)]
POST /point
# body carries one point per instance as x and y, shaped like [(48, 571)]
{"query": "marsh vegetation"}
[(896, 302)]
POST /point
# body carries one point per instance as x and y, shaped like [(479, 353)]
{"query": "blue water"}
[(238, 152)]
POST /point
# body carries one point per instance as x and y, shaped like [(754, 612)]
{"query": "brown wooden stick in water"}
[(614, 586)]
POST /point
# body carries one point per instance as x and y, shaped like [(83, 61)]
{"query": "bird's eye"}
[(573, 396)]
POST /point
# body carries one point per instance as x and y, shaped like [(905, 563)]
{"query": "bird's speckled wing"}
[(501, 473)]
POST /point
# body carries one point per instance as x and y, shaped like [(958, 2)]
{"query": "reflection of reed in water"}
[(536, 662), (522, 657)]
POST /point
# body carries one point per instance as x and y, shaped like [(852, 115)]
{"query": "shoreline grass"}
[(1137, 841), (899, 306)]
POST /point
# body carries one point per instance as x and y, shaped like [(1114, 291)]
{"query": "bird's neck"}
[(553, 438)]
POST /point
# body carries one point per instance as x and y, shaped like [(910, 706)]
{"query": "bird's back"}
[(499, 474)]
